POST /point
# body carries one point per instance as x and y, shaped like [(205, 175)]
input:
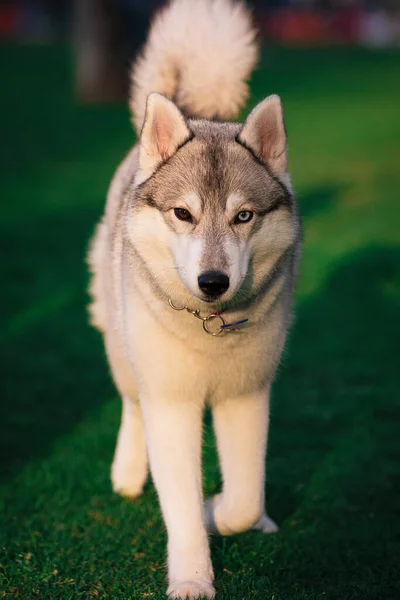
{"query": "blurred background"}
[(333, 470), (107, 33)]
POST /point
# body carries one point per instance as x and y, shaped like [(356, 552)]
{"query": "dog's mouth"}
[(216, 302), (211, 299)]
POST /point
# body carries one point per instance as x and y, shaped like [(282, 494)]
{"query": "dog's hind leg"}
[(130, 465), (241, 427), (265, 525)]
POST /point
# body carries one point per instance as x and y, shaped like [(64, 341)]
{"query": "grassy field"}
[(334, 453)]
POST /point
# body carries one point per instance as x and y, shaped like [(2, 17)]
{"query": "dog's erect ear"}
[(164, 130), (264, 133)]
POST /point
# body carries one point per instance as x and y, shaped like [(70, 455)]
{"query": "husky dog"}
[(193, 265)]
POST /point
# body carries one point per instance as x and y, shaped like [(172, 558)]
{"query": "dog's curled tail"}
[(199, 53)]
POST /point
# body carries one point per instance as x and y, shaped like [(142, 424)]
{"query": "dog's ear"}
[(264, 133), (164, 130)]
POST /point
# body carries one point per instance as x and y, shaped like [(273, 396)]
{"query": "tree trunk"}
[(98, 32)]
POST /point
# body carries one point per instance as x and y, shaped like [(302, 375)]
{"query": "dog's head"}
[(212, 210)]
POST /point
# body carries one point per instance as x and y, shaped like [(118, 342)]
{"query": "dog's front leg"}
[(173, 432), (241, 427)]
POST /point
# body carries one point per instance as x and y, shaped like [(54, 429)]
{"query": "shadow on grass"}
[(342, 354), (333, 450), (53, 370)]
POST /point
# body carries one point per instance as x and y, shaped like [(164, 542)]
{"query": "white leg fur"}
[(130, 466), (266, 525), (173, 431), (241, 427)]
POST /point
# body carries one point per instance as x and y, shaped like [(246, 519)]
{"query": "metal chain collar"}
[(223, 327)]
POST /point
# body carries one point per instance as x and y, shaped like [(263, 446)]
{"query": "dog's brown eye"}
[(183, 215), (244, 216)]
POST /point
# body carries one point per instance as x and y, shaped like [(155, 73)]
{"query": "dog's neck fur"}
[(259, 309)]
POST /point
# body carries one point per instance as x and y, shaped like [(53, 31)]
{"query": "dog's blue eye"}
[(244, 216), (183, 215)]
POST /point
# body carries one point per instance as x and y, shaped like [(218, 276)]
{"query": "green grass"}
[(334, 453)]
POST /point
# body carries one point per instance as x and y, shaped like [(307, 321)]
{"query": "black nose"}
[(213, 283)]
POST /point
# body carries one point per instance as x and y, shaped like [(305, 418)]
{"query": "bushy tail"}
[(199, 54)]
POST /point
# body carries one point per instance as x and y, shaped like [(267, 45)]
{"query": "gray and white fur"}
[(200, 213)]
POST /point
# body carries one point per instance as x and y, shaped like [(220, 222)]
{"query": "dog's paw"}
[(266, 525), (124, 482), (191, 589)]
